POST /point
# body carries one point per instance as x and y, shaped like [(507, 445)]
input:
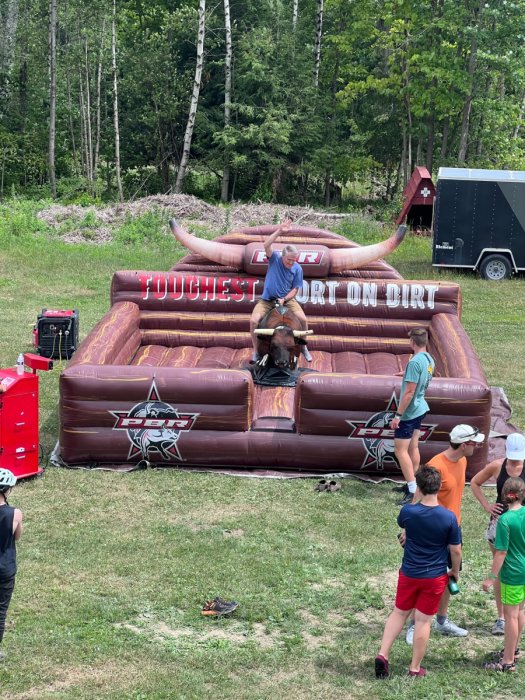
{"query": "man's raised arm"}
[(274, 236)]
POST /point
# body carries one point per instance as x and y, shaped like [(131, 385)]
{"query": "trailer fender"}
[(496, 263)]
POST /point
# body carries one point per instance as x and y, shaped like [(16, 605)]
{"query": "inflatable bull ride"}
[(166, 375)]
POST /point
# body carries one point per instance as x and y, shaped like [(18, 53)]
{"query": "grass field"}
[(113, 568)]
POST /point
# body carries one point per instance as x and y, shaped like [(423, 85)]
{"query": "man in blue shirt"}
[(412, 409), (431, 533), (282, 282)]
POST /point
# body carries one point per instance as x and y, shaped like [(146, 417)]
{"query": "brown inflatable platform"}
[(163, 377)]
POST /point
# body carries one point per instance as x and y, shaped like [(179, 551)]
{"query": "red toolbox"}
[(19, 423)]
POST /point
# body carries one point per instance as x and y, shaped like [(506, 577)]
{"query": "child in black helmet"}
[(10, 532)]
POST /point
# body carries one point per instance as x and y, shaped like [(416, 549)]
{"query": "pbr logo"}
[(378, 437), (305, 257), (154, 426)]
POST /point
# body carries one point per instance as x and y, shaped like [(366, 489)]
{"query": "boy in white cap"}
[(499, 471), (452, 466)]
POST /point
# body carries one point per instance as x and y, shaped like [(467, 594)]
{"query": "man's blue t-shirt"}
[(279, 279), (429, 531), (419, 370)]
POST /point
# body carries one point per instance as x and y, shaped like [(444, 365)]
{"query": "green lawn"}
[(113, 568)]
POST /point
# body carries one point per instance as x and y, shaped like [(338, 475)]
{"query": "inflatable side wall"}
[(162, 376)]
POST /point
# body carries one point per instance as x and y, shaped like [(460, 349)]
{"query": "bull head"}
[(232, 255)]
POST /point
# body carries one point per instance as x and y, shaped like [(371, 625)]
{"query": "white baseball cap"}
[(466, 433), (515, 447)]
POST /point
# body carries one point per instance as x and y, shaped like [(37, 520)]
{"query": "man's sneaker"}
[(450, 629), (410, 634), (255, 357), (418, 674), (219, 606), (407, 498), (381, 667), (403, 488), (498, 627)]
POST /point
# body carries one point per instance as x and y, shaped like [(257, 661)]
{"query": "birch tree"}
[(115, 100), (8, 25), (194, 98), (227, 98), (52, 94), (317, 39)]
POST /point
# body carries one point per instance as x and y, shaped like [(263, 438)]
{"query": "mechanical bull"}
[(281, 338), (281, 334)]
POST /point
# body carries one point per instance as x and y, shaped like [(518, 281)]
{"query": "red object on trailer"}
[(19, 418)]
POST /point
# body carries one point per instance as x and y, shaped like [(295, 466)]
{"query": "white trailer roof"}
[(478, 174)]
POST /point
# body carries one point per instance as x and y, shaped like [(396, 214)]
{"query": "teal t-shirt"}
[(419, 370), (510, 538)]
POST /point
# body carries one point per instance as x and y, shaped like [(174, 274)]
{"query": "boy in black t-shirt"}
[(10, 532)]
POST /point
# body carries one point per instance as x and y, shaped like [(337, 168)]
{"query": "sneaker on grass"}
[(407, 498), (499, 627), (419, 673), (381, 667), (219, 606), (450, 629), (410, 634)]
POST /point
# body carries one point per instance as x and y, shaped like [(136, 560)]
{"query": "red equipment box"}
[(19, 423)]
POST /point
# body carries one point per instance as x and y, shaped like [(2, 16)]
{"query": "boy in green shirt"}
[(509, 565)]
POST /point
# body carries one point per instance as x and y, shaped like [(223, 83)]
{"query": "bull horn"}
[(264, 331), (301, 334), (350, 258), (222, 253)]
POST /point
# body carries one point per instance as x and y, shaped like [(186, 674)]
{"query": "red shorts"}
[(423, 594)]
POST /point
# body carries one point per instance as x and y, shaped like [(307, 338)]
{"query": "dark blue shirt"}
[(429, 531)]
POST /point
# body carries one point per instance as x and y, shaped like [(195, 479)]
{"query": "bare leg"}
[(394, 625), (421, 635), (413, 451), (401, 447), (497, 590), (512, 632), (443, 603)]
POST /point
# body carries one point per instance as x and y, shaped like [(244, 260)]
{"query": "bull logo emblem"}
[(154, 426), (378, 437)]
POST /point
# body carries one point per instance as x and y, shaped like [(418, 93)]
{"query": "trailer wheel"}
[(495, 268)]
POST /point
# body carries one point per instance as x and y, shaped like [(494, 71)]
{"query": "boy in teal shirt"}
[(412, 409)]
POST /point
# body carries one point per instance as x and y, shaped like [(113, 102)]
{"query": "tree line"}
[(284, 100)]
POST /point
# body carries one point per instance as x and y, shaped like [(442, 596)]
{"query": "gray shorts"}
[(490, 532)]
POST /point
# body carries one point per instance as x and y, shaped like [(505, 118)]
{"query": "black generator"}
[(55, 334)]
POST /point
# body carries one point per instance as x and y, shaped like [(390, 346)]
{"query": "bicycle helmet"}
[(7, 480)]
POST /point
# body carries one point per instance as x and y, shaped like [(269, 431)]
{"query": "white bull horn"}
[(264, 331), (222, 253), (301, 334), (350, 258)]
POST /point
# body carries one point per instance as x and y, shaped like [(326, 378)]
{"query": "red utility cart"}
[(19, 423)]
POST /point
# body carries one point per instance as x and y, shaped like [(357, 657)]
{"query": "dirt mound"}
[(96, 224)]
